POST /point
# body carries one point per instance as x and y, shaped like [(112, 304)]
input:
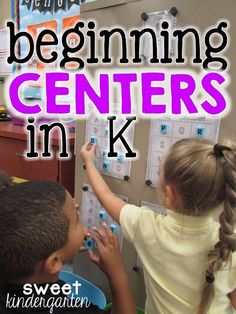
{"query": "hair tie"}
[(218, 151), (210, 277)]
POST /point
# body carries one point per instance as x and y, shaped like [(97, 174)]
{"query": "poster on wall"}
[(36, 16), (5, 68)]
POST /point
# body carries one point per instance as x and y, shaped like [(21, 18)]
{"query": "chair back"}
[(87, 289)]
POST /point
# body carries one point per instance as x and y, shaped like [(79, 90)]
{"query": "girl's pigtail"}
[(227, 238)]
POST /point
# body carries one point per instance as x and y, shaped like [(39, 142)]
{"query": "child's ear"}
[(171, 197), (53, 263)]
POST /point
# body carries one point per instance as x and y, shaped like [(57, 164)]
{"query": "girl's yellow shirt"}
[(173, 250)]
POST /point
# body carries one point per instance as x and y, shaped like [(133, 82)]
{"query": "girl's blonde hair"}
[(204, 177)]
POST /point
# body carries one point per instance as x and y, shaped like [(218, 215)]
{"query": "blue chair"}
[(87, 289)]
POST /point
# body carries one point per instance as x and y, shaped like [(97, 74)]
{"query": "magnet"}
[(164, 128), (200, 132), (106, 165), (173, 11), (102, 215), (93, 140), (144, 16), (120, 158), (89, 244), (148, 182), (113, 228)]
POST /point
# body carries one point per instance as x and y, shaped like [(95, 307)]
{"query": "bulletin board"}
[(202, 14), (35, 16), (55, 15)]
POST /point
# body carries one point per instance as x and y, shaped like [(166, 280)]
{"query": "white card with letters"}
[(94, 215), (165, 132), (97, 132)]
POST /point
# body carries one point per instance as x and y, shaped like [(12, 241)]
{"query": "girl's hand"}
[(87, 152), (109, 259)]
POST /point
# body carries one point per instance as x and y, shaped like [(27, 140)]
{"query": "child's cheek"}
[(80, 236)]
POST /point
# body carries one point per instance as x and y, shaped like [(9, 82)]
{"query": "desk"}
[(13, 144)]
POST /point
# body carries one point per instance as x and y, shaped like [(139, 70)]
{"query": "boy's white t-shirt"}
[(173, 250)]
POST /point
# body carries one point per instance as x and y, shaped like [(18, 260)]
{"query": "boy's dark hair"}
[(33, 225)]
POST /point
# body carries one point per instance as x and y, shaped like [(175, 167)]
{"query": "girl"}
[(188, 259)]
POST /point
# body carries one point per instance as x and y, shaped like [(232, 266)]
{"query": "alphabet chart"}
[(93, 214), (97, 131), (164, 133)]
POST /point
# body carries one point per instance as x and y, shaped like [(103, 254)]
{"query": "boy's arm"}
[(122, 299), (109, 201), (111, 263)]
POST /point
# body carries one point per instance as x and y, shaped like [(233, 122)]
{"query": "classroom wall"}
[(5, 13), (200, 13)]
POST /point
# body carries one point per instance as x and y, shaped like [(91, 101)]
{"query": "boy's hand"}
[(87, 152), (111, 262), (109, 259), (87, 234)]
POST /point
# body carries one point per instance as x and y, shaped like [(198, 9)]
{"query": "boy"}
[(40, 231)]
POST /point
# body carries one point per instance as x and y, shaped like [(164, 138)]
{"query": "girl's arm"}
[(109, 201), (232, 297)]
